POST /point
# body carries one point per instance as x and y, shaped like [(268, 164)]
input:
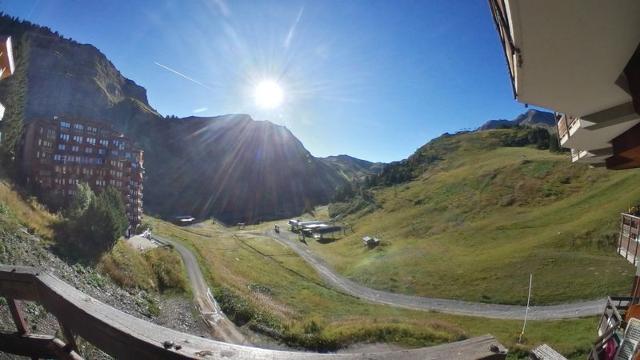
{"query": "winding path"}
[(449, 306), (221, 327)]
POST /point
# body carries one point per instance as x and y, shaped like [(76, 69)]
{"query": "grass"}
[(27, 211), (277, 293), (475, 226), (159, 269)]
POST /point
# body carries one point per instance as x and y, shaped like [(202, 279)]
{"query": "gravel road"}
[(457, 307), (222, 328)]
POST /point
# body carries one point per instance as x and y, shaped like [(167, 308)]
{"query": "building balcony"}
[(595, 157), (628, 239), (619, 328), (583, 135)]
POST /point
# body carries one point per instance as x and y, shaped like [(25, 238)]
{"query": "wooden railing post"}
[(15, 308), (69, 337), (620, 235), (627, 253)]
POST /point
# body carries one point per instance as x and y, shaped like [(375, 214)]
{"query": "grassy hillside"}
[(266, 286), (478, 217), (159, 269), (25, 212)]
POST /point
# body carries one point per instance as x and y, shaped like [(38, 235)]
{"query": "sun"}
[(268, 94)]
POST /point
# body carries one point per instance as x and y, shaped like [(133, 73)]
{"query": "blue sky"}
[(372, 79)]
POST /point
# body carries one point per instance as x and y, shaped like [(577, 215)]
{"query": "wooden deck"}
[(126, 337)]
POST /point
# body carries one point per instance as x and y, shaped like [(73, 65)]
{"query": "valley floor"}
[(269, 288), (449, 306)]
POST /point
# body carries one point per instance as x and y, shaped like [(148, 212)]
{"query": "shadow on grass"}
[(72, 249), (327, 240)]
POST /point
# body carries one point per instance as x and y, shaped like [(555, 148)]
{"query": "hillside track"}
[(448, 306), (221, 327)]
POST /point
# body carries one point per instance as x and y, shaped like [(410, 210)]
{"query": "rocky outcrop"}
[(72, 79)]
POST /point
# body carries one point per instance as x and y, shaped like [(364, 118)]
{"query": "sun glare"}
[(268, 94)]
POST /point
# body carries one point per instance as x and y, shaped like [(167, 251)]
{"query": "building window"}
[(91, 141), (64, 137), (77, 138), (61, 146), (88, 150), (64, 124), (75, 148), (101, 151), (104, 142), (78, 127), (119, 144)]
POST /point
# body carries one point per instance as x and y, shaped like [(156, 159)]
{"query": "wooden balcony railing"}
[(611, 320), (628, 244), (126, 337), (564, 124)]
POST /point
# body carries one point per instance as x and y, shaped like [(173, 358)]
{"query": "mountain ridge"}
[(531, 118), (231, 167)]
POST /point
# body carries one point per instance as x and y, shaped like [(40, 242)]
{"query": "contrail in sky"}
[(183, 75), (292, 29)]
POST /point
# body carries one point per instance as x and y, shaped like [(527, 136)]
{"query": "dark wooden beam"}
[(632, 74), (35, 346), (626, 150), (15, 308), (68, 336)]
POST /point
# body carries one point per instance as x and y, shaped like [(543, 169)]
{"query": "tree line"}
[(399, 172)]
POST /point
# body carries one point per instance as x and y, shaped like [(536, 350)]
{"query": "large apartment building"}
[(60, 152)]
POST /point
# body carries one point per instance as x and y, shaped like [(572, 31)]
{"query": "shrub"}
[(167, 267), (95, 230)]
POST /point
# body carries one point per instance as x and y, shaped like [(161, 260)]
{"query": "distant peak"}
[(531, 117)]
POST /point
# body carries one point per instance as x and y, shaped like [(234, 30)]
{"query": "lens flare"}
[(268, 94)]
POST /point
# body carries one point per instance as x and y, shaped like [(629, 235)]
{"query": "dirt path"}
[(221, 327), (457, 307)]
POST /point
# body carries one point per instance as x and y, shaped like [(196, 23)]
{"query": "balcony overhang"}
[(594, 157), (587, 135), (569, 55)]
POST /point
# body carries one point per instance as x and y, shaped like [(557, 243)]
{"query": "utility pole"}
[(526, 312)]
